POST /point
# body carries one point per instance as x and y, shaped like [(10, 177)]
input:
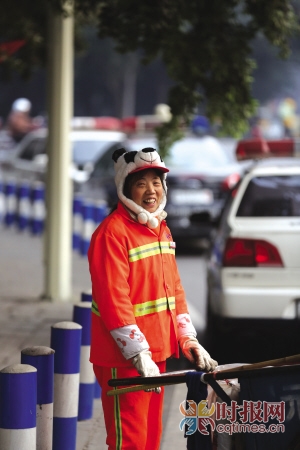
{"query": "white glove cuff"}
[(185, 326), (130, 340)]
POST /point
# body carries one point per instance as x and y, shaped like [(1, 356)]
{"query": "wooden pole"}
[(287, 360), (251, 370), (177, 376), (140, 387)]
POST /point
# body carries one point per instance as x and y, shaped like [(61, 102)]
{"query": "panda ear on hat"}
[(117, 153), (128, 156)]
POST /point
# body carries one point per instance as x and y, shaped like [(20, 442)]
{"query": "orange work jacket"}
[(135, 280)]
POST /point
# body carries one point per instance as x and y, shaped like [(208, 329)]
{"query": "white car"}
[(28, 160), (254, 265)]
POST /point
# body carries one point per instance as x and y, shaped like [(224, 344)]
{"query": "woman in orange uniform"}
[(139, 310)]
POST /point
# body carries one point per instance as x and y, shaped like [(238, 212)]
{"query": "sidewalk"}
[(26, 321)]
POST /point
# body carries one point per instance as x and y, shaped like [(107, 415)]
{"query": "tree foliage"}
[(23, 20), (205, 45), (28, 20)]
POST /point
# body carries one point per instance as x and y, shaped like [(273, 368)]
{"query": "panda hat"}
[(135, 161)]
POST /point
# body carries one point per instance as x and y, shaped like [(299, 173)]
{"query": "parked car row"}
[(28, 160), (249, 210), (202, 172)]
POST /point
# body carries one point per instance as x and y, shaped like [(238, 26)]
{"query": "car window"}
[(196, 154), (138, 144), (88, 151), (271, 196), (192, 153), (35, 147), (105, 162)]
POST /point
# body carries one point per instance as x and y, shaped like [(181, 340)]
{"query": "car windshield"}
[(89, 150), (196, 154), (271, 196)]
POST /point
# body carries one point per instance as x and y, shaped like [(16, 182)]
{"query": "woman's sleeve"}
[(109, 269)]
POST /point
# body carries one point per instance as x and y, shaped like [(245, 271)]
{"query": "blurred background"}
[(121, 96), (120, 85)]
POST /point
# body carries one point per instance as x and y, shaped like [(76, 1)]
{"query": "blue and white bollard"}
[(42, 358), (77, 221), (66, 342), (82, 315), (24, 205), (18, 394), (2, 202), (100, 211), (10, 190), (38, 208), (86, 296), (88, 227)]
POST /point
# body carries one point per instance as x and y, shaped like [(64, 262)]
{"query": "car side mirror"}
[(41, 160), (78, 175), (88, 167)]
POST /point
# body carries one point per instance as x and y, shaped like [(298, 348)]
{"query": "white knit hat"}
[(130, 162)]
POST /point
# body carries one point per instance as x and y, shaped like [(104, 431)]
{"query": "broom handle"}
[(116, 382), (287, 360), (207, 377), (140, 387), (178, 376)]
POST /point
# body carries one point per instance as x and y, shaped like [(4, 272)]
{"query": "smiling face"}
[(147, 189)]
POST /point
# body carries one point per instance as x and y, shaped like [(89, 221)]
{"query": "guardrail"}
[(22, 205)]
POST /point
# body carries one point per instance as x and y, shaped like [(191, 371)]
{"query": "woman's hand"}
[(146, 367), (196, 354)]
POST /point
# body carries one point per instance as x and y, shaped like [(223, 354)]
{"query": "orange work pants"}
[(133, 421)]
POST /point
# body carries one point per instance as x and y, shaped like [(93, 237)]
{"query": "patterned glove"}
[(196, 354), (146, 367)]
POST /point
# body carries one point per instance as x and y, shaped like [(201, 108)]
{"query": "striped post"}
[(38, 208), (86, 296), (82, 315), (42, 358), (24, 206), (2, 202), (18, 394), (10, 191), (88, 227), (100, 212), (66, 342), (77, 221)]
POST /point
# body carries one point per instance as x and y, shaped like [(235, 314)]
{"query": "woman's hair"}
[(133, 177)]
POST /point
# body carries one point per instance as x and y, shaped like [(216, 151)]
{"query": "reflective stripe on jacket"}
[(134, 280)]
